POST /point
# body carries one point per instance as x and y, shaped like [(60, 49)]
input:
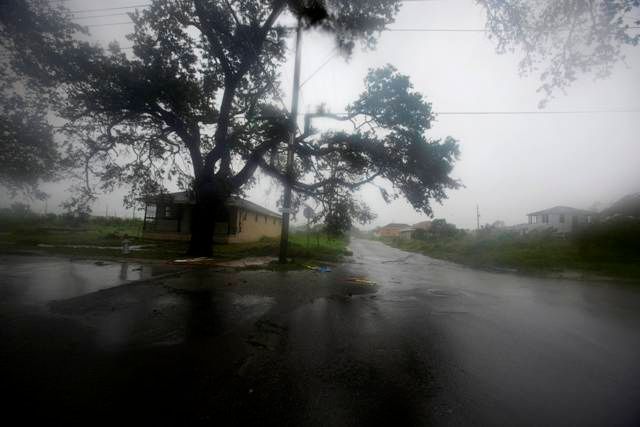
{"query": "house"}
[(407, 233), (168, 217), (391, 230), (423, 225), (561, 218)]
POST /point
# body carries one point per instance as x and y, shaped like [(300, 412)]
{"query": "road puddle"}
[(40, 279)]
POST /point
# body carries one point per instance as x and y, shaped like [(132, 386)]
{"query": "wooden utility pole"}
[(478, 216), (293, 126)]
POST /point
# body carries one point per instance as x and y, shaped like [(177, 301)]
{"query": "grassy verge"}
[(103, 239), (537, 254)]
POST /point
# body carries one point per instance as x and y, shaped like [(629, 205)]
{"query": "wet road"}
[(431, 343)]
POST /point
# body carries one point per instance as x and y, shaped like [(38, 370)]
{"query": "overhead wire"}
[(334, 53), (331, 55)]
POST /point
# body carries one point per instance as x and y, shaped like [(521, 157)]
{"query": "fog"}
[(510, 164)]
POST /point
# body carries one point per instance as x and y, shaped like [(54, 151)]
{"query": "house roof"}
[(250, 206), (558, 210), (396, 225), (425, 225), (184, 198)]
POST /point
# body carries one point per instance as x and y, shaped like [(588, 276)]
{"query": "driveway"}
[(429, 343)]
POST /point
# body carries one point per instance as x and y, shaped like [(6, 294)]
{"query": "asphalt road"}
[(431, 343)]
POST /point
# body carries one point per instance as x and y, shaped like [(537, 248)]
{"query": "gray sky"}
[(510, 164)]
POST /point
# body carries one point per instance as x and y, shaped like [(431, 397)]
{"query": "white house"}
[(561, 218)]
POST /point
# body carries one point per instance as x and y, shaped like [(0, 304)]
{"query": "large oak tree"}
[(198, 101), (198, 97)]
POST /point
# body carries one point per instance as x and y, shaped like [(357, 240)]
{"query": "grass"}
[(534, 254), (105, 237)]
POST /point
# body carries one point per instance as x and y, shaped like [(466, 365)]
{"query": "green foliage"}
[(439, 229), (348, 21), (388, 143), (195, 102), (208, 100), (29, 152), (609, 249), (562, 39), (104, 237), (617, 239)]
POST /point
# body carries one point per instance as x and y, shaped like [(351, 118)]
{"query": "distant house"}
[(168, 217), (423, 225), (407, 233), (561, 218), (391, 230)]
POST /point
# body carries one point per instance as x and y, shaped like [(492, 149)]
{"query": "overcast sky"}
[(510, 164)]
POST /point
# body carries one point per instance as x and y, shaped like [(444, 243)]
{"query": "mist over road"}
[(431, 343), (514, 350)]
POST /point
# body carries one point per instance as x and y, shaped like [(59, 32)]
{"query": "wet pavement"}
[(431, 343)]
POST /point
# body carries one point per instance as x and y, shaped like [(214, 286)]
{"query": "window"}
[(167, 211), (589, 219), (265, 219), (545, 219), (562, 218), (274, 221), (256, 217)]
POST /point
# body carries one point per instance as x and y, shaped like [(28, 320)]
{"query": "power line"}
[(453, 30), (331, 55), (437, 30), (104, 9), (109, 24), (98, 16), (523, 112), (486, 113), (390, 30), (149, 4), (509, 113)]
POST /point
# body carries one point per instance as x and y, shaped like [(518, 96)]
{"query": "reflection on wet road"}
[(430, 343), (40, 279)]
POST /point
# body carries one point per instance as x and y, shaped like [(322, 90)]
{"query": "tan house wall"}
[(245, 226), (254, 226), (389, 232)]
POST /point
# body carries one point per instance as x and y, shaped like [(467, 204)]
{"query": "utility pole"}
[(478, 216), (293, 126)]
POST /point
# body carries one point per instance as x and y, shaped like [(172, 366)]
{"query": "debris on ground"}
[(236, 263), (247, 262), (399, 260), (192, 260), (131, 247), (319, 269), (361, 280)]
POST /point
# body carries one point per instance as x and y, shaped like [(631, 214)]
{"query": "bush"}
[(618, 239)]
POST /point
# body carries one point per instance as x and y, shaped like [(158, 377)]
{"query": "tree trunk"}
[(209, 209)]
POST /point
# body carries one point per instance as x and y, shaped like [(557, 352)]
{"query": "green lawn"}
[(102, 238), (537, 254)]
